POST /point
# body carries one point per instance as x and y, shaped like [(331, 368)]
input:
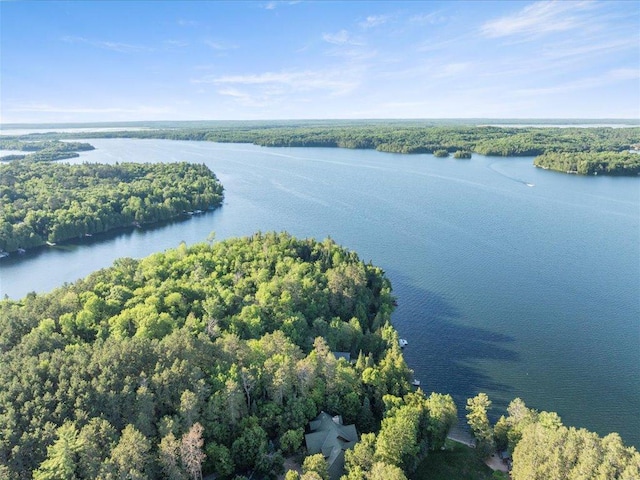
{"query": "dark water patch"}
[(442, 351)]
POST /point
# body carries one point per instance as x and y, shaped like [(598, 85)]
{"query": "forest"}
[(416, 138), (51, 202), (44, 150), (591, 163), (412, 137), (542, 448), (212, 359), (226, 347)]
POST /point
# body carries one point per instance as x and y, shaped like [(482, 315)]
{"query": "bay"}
[(510, 280)]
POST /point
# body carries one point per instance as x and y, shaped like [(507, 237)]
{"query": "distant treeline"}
[(51, 202), (407, 137), (43, 151), (591, 163), (399, 137)]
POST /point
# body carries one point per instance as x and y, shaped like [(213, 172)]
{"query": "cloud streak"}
[(610, 77), (47, 108), (108, 45), (374, 21), (343, 37), (335, 81), (538, 19)]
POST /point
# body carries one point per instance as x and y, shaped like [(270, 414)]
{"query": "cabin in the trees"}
[(331, 438), (345, 355)]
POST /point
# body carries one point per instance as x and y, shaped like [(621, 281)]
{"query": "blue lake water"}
[(510, 280)]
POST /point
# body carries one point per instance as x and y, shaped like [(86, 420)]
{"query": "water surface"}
[(510, 280)]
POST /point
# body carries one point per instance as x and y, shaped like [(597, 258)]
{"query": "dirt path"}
[(493, 462)]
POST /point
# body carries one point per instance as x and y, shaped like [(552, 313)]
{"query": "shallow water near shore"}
[(510, 280)]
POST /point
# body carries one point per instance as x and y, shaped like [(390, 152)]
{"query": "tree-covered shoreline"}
[(52, 202), (43, 151), (213, 359), (401, 138), (108, 375), (407, 138), (591, 163)]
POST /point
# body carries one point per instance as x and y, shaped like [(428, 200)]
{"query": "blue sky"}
[(124, 61)]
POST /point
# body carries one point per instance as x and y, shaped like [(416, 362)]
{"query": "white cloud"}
[(47, 108), (334, 81), (219, 46), (339, 38), (432, 18), (450, 69), (539, 18), (610, 77), (176, 43), (246, 99), (374, 21), (108, 45), (586, 50)]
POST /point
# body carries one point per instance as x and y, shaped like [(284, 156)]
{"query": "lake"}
[(511, 280)]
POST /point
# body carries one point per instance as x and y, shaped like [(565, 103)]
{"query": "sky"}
[(111, 61)]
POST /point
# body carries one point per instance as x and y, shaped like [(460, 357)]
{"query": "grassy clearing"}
[(457, 462)]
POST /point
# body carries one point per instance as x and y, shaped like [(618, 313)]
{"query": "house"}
[(331, 438), (345, 355)]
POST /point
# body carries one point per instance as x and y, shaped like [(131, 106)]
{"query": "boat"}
[(4, 254), (51, 244), (415, 382), (21, 250), (403, 343)]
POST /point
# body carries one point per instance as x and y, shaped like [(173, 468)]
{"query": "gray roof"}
[(331, 438), (345, 355)]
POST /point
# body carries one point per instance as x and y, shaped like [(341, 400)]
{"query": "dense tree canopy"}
[(42, 151), (51, 202), (236, 337), (544, 449), (591, 163), (600, 147), (406, 137), (412, 137)]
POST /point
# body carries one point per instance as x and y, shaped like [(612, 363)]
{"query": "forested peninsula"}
[(43, 151), (411, 137), (591, 163), (223, 349), (52, 202), (214, 358)]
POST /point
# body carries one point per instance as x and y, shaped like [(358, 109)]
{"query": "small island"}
[(462, 154), (441, 153), (46, 203)]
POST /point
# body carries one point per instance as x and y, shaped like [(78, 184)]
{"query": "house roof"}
[(331, 438), (345, 355)]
